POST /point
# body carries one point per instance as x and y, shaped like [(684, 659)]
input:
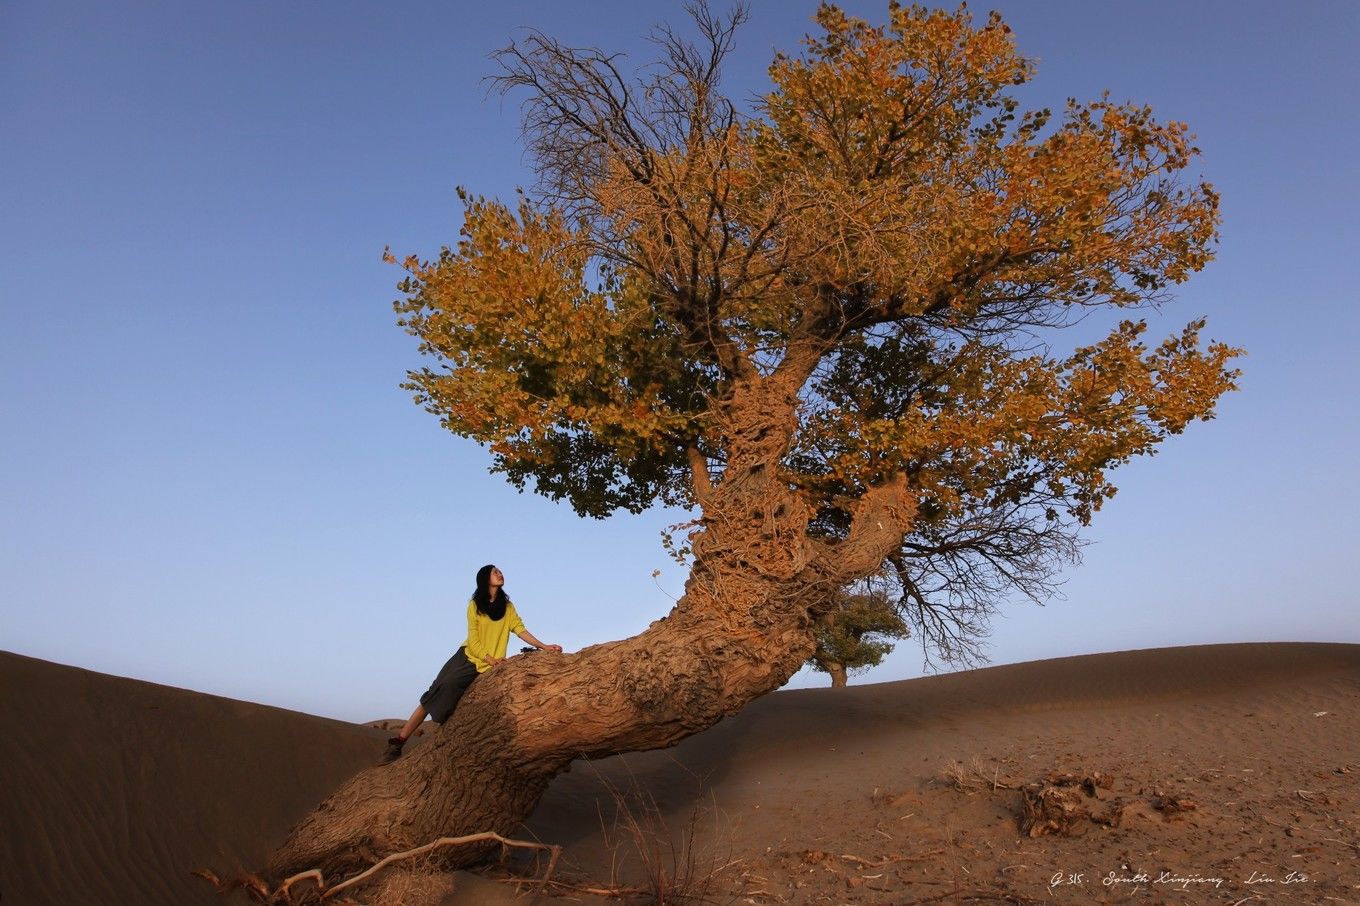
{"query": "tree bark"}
[(742, 628)]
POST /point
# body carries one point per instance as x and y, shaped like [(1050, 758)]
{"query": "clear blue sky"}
[(209, 477)]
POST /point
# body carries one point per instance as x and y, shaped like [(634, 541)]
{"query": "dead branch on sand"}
[(889, 860), (257, 887), (614, 891), (555, 853), (959, 896)]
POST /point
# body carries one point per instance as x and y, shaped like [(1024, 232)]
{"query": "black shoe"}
[(393, 750)]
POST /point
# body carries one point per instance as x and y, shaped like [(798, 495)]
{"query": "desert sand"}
[(1212, 774)]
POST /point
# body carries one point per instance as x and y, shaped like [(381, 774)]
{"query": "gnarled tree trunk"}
[(742, 628), (837, 671)]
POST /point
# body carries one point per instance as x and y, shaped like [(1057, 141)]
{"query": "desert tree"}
[(855, 633), (819, 321)]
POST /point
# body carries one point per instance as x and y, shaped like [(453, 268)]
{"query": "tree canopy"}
[(885, 232)]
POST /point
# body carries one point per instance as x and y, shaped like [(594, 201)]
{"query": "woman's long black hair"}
[(495, 609)]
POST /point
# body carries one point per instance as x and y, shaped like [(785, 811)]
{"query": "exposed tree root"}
[(253, 884), (260, 890), (314, 875)]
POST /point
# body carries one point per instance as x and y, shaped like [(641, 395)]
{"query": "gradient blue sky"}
[(209, 477)]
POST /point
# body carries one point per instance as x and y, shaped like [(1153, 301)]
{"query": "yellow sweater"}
[(487, 637)]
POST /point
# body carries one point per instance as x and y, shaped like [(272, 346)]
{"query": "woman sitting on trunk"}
[(491, 619)]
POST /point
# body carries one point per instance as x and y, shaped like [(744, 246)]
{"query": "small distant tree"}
[(853, 636), (820, 323)]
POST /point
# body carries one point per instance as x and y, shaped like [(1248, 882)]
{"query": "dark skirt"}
[(453, 680)]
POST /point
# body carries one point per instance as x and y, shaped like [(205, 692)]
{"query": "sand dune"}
[(891, 793), (114, 788), (1235, 728)]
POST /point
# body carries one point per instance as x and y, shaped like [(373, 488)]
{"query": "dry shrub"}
[(676, 868), (975, 776)]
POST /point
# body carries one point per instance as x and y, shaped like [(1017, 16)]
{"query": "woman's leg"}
[(417, 718), (394, 745), (438, 702)]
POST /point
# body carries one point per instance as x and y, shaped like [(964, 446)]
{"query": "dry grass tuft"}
[(976, 776), (676, 868), (415, 885)]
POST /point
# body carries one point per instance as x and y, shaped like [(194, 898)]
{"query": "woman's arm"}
[(528, 636)]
